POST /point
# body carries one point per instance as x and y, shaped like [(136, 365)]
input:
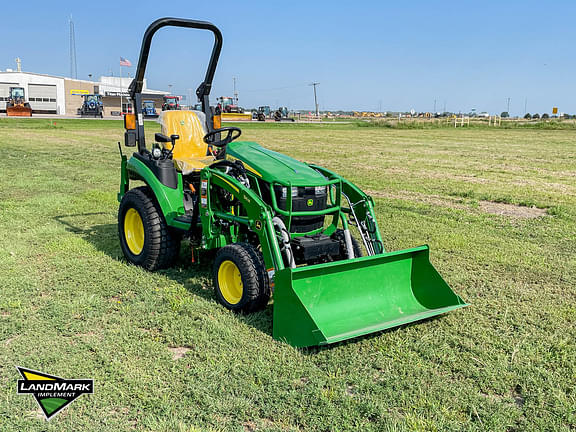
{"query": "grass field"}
[(165, 356)]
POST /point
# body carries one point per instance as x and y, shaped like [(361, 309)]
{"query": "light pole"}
[(314, 84), (190, 98)]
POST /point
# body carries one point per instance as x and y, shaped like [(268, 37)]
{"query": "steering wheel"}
[(230, 136)]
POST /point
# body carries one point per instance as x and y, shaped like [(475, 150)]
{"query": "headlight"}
[(320, 190), (294, 192), (156, 152)]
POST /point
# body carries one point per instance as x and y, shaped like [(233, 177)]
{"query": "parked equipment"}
[(227, 105), (282, 114), (282, 228), (263, 113), (92, 106), (171, 103), (149, 109), (16, 105)]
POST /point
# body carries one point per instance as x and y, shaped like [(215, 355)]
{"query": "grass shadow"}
[(104, 237)]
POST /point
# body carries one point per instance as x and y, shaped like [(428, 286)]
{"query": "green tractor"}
[(281, 228)]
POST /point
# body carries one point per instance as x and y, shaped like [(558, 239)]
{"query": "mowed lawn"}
[(166, 356)]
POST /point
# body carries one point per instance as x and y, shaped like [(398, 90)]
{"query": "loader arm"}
[(258, 216), (360, 211)]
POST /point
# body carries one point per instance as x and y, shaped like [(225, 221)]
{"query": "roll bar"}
[(204, 88)]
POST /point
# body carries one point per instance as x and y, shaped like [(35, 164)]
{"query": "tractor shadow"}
[(194, 277)]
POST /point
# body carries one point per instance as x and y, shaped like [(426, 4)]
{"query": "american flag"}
[(124, 62)]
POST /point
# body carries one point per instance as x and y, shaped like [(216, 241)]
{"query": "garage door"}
[(42, 97), (4, 93)]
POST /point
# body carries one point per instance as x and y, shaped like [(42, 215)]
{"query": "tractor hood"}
[(273, 166)]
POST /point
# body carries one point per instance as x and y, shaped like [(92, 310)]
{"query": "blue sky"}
[(397, 55)]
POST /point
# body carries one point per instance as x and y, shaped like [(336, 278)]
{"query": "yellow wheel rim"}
[(230, 282), (134, 231)]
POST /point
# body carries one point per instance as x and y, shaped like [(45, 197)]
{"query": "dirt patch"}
[(437, 200), (511, 210), (249, 426), (500, 209), (10, 340), (178, 352)]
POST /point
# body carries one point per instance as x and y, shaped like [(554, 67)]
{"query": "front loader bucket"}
[(18, 111), (326, 303)]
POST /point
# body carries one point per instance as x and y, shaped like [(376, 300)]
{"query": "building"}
[(48, 94)]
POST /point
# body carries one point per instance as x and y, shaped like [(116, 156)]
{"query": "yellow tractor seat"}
[(190, 152)]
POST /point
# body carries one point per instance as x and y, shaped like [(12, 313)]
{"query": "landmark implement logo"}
[(52, 393)]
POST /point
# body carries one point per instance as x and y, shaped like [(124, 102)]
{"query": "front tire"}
[(145, 238), (240, 278)]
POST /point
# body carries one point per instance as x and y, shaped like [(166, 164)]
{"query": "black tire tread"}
[(163, 245), (254, 277)]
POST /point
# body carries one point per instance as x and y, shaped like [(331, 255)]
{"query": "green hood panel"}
[(274, 166)]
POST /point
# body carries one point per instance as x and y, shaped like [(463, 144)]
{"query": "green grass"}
[(71, 306)]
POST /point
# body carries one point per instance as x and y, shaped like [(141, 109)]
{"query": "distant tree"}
[(536, 116), (505, 114), (527, 116), (569, 116), (545, 116)]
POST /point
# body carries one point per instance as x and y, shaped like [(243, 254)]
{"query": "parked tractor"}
[(282, 114), (263, 112), (92, 106), (149, 109), (170, 103), (227, 105), (282, 229), (16, 105)]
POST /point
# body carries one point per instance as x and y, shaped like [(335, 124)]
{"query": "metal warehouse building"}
[(50, 94)]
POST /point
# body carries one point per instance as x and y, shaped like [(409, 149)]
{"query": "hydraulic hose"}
[(285, 241)]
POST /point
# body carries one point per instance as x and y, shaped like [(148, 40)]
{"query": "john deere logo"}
[(258, 225), (51, 392), (310, 202)]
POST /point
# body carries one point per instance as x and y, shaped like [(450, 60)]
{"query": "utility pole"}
[(525, 106), (235, 92), (190, 98), (508, 107), (444, 107), (73, 65), (170, 89), (434, 106), (314, 84)]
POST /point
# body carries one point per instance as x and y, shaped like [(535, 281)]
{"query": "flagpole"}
[(121, 88)]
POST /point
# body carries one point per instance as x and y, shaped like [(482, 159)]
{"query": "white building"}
[(59, 95)]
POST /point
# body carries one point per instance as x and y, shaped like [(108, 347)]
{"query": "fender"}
[(170, 200)]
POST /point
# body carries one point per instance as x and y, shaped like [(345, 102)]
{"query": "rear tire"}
[(145, 238), (339, 236), (240, 278)]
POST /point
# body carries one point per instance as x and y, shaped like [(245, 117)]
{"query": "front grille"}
[(306, 199)]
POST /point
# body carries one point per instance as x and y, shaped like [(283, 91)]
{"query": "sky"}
[(366, 55)]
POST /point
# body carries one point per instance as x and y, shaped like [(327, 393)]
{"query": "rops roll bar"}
[(204, 88)]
